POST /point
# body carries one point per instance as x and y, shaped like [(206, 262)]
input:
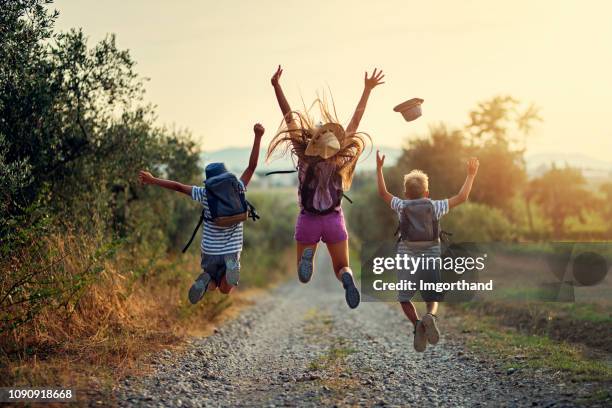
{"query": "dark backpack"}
[(309, 186), (418, 221), (227, 203)]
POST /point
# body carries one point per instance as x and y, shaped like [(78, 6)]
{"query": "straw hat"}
[(326, 141), (411, 109)]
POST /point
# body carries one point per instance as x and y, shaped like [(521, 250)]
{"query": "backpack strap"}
[(347, 198), (280, 172), (195, 231), (295, 171), (252, 212)]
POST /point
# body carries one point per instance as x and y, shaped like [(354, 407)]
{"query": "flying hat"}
[(411, 109), (214, 169), (326, 141)]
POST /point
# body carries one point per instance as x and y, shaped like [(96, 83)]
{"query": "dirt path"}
[(302, 346)]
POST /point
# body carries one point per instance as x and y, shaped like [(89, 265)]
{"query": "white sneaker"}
[(420, 339), (431, 330)]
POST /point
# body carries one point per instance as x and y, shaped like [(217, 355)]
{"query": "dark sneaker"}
[(232, 269), (420, 339), (351, 293), (198, 289), (305, 266), (431, 330)]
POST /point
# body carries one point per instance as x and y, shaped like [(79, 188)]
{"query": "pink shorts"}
[(312, 228)]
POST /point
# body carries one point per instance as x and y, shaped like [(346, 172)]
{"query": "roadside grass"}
[(519, 350), (111, 305), (120, 324), (588, 324), (591, 312), (584, 311)]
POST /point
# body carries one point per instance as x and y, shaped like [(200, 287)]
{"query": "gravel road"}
[(302, 346)]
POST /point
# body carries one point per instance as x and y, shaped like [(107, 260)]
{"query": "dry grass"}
[(113, 326)]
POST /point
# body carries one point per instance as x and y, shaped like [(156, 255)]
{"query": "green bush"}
[(266, 241), (474, 222), (74, 131), (369, 217)]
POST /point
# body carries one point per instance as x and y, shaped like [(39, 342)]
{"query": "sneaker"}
[(431, 330), (305, 266), (351, 294), (232, 269), (420, 340), (198, 289)]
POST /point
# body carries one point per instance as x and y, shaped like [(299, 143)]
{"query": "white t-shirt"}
[(440, 206)]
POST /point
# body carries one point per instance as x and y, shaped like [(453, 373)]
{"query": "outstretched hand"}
[(380, 160), (145, 177), (276, 76), (374, 80), (259, 130), (472, 166)]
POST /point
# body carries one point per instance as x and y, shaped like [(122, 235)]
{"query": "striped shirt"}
[(217, 240), (440, 209)]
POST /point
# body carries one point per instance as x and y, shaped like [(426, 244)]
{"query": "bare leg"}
[(339, 252), (225, 287), (410, 312), (340, 259), (212, 285), (432, 307)]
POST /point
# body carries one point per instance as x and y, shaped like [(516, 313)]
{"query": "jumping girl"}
[(326, 156)]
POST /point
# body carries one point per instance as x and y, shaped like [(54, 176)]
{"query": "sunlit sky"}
[(210, 62)]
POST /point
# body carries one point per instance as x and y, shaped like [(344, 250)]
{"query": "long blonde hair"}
[(294, 141)]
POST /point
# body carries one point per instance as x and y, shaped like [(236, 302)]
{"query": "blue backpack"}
[(227, 203)]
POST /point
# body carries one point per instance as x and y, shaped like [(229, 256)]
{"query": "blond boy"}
[(420, 237)]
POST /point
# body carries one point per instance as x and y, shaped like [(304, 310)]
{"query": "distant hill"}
[(591, 168), (236, 158)]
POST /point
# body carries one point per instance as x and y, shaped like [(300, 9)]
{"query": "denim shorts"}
[(216, 265), (312, 228), (432, 275)]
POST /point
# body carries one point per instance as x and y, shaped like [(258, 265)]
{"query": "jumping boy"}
[(220, 246), (419, 218)]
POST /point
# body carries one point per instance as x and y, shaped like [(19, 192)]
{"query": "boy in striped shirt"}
[(221, 246), (416, 187)]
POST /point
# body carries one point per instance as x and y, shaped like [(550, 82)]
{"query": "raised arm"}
[(464, 193), (382, 187), (369, 84), (282, 101), (147, 178), (259, 130)]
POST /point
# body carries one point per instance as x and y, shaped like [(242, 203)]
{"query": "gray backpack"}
[(418, 221)]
